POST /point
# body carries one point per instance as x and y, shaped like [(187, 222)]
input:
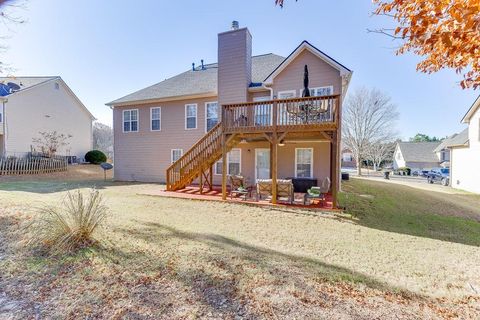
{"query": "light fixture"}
[(243, 141), (281, 143)]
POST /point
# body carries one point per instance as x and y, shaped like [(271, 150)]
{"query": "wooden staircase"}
[(198, 161)]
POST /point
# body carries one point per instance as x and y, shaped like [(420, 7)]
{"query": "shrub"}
[(71, 226), (95, 157)]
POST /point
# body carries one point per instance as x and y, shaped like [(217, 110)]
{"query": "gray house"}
[(416, 155)]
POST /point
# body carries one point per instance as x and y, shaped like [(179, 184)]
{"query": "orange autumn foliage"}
[(445, 32)]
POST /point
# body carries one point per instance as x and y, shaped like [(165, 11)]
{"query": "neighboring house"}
[(347, 159), (173, 131), (465, 153), (42, 104), (416, 155), (443, 151)]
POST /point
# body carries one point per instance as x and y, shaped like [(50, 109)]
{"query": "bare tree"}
[(50, 142), (369, 118), (379, 152), (103, 138), (8, 17)]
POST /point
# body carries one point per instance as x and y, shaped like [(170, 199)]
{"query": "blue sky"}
[(107, 49)]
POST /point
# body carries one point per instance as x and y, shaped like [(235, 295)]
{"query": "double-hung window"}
[(155, 119), (190, 116), (263, 112), (176, 154), (304, 162), (283, 115), (234, 163), (130, 120), (321, 91), (211, 115)]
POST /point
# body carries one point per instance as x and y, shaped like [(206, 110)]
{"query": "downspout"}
[(264, 86)]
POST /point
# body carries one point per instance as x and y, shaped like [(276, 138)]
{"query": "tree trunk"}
[(359, 165), (374, 166)]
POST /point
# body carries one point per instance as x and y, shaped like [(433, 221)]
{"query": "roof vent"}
[(235, 25)]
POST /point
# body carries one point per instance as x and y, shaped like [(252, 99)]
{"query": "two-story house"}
[(465, 153), (30, 105), (244, 114)]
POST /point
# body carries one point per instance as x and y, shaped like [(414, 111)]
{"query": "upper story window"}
[(263, 112), (155, 118), (191, 116), (211, 115), (286, 94), (176, 154), (304, 162), (130, 120), (320, 91)]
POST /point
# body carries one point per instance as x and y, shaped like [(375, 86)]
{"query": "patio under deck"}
[(215, 194)]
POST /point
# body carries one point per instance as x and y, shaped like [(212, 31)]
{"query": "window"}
[(234, 163), (176, 154), (303, 162), (155, 118), (211, 115), (286, 94), (130, 120), (320, 91), (283, 115), (263, 112), (190, 116)]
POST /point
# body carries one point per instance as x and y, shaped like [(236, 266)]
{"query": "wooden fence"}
[(32, 165)]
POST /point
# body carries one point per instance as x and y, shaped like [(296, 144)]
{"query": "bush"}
[(95, 157), (71, 226)]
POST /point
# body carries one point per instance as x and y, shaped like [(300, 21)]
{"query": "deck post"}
[(274, 155), (210, 178), (334, 168), (200, 180), (224, 166)]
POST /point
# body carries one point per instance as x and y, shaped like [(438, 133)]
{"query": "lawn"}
[(389, 256)]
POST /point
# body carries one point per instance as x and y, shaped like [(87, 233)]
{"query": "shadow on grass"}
[(234, 264), (45, 187), (401, 209)]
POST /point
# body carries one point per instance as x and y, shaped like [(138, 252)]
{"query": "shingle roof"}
[(460, 139), (199, 81), (26, 82), (419, 151)]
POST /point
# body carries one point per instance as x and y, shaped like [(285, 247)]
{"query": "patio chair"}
[(284, 189), (235, 183), (318, 193)]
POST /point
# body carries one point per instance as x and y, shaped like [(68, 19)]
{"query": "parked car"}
[(441, 175)]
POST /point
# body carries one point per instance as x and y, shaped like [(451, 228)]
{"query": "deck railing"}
[(269, 115)]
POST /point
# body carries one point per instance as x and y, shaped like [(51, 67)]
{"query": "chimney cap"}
[(235, 25)]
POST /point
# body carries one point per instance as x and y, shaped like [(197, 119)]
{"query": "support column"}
[(224, 167), (334, 169), (200, 181), (273, 169), (210, 178)]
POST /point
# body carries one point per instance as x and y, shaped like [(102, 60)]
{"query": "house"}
[(465, 153), (30, 105), (443, 151), (347, 159), (416, 155), (243, 114)]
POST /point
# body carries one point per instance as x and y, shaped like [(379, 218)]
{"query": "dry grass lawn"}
[(166, 258)]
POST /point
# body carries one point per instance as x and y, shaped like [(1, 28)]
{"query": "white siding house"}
[(465, 155), (43, 104), (416, 155)]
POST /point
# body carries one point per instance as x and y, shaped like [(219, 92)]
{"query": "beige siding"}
[(234, 65), (45, 108), (145, 155), (321, 74)]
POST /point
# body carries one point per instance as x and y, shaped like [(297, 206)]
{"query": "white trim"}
[(256, 171), (206, 113), (307, 46), (286, 91), (316, 88), (260, 99), (123, 120), (196, 115), (151, 119), (171, 154), (228, 162), (311, 164)]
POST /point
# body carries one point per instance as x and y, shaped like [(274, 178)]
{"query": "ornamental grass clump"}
[(71, 226)]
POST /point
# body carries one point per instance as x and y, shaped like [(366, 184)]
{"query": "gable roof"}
[(475, 106), (459, 140), (198, 82), (27, 83), (419, 151), (305, 45)]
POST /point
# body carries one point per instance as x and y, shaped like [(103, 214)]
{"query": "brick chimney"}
[(234, 65)]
